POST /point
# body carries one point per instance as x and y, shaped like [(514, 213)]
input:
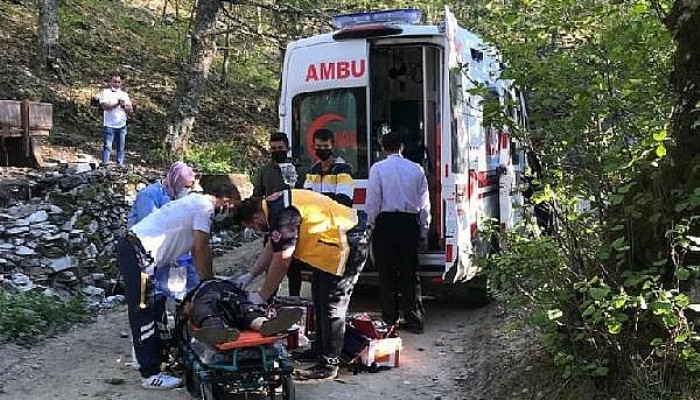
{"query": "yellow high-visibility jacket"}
[(322, 241)]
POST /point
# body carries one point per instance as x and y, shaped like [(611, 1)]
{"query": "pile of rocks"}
[(63, 237), (60, 237)]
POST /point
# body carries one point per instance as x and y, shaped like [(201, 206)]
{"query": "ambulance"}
[(385, 70)]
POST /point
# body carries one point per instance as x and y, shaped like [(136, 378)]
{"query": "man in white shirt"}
[(398, 211), (116, 105), (178, 227)]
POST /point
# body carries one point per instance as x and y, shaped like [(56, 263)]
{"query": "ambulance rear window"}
[(343, 111)]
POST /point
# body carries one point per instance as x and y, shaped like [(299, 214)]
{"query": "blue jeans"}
[(111, 134)]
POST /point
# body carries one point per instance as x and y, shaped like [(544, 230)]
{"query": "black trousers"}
[(149, 325), (294, 276), (395, 241), (331, 297)]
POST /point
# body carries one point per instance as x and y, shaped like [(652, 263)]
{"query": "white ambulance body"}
[(417, 80)]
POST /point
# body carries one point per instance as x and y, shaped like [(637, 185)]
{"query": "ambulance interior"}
[(405, 82)]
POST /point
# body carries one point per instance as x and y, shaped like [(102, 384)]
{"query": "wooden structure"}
[(22, 126)]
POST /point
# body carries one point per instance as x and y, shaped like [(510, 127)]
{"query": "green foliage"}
[(220, 158), (610, 286), (26, 318)]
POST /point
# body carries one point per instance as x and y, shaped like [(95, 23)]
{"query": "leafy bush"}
[(612, 284), (26, 318), (610, 322), (220, 158)]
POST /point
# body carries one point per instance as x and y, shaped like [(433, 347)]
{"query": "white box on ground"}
[(384, 352)]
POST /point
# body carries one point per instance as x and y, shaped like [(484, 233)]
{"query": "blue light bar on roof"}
[(404, 15)]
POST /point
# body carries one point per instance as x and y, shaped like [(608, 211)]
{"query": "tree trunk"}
[(47, 36), (191, 84), (684, 24), (679, 174)]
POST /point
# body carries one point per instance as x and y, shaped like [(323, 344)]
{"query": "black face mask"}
[(324, 154), (279, 156)]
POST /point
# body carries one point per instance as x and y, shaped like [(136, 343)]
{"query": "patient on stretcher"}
[(219, 310)]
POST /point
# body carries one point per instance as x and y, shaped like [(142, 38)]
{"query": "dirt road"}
[(92, 362), (82, 363)]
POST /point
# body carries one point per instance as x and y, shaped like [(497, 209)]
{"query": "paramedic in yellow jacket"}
[(327, 236)]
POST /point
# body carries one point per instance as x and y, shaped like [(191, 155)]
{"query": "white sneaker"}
[(161, 381)]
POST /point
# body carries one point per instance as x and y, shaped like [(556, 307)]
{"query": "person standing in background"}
[(398, 213), (330, 175), (269, 178), (116, 105)]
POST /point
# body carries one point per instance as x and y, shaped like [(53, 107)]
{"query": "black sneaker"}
[(286, 317), (318, 372), (213, 336)]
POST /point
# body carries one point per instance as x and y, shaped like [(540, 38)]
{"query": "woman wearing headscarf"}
[(177, 184)]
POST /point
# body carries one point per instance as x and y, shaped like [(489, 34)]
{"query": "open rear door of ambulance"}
[(459, 190), (325, 86), (463, 138)]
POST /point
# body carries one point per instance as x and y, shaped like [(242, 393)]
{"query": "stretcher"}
[(252, 364)]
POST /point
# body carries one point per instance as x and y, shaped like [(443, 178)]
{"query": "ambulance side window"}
[(343, 111), (459, 137)]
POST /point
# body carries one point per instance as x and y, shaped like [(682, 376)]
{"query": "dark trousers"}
[(331, 297), (294, 276), (220, 304), (395, 241), (149, 325)]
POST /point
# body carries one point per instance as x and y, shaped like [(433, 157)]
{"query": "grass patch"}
[(27, 318)]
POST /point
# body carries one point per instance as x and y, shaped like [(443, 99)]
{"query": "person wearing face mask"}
[(269, 178), (324, 234), (330, 175), (116, 105), (178, 183), (178, 227)]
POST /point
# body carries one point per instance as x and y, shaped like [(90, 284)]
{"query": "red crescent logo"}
[(319, 123)]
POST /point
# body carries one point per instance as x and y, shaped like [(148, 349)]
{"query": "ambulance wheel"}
[(474, 293)]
